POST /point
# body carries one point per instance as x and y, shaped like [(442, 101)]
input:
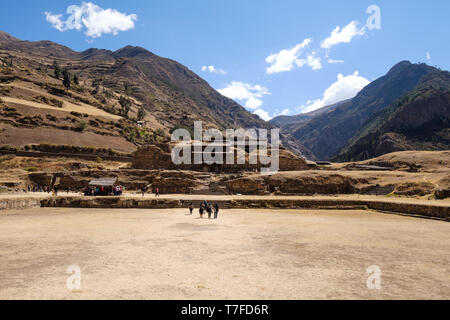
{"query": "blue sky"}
[(271, 56)]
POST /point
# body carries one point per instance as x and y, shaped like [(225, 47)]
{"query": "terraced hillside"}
[(99, 98)]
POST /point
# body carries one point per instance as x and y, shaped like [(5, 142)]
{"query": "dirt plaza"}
[(245, 254)]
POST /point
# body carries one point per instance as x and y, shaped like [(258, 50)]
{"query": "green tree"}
[(125, 105), (66, 81), (141, 113), (127, 88), (57, 69), (76, 80)]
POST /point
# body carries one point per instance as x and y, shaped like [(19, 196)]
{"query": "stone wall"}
[(414, 209), (16, 204), (424, 210), (91, 157), (159, 157), (109, 203)]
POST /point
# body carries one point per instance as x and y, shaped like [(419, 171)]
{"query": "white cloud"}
[(428, 56), (213, 69), (262, 114), (333, 61), (314, 62), (265, 115), (287, 59), (344, 35), (345, 87), (247, 93), (94, 19)]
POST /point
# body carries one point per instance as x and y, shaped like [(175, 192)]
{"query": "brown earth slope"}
[(35, 107)]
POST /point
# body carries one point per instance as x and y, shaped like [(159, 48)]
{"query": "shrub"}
[(7, 147), (50, 101), (76, 114), (52, 118), (82, 125)]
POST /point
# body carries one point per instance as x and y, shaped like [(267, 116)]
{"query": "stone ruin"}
[(159, 157)]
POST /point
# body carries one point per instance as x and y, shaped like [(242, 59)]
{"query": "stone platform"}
[(412, 207)]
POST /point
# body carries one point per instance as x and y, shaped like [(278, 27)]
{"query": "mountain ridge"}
[(151, 76), (35, 106), (326, 134), (419, 120)]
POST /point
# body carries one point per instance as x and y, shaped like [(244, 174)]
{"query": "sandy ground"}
[(246, 254)]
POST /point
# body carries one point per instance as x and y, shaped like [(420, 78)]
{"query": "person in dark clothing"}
[(209, 209), (191, 208), (55, 188), (201, 210), (216, 211), (144, 190)]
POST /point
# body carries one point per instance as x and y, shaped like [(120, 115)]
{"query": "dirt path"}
[(246, 254)]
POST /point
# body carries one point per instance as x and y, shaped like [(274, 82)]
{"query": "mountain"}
[(287, 122), (420, 120), (290, 124), (171, 95), (167, 89), (326, 134)]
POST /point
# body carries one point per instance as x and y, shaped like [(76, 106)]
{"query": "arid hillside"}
[(99, 98)]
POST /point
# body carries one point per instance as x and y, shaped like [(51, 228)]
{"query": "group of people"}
[(104, 191), (206, 207), (43, 189), (38, 189)]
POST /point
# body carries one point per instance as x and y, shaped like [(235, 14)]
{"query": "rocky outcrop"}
[(442, 194), (307, 183), (41, 179), (291, 162), (247, 185), (173, 185), (414, 189)]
